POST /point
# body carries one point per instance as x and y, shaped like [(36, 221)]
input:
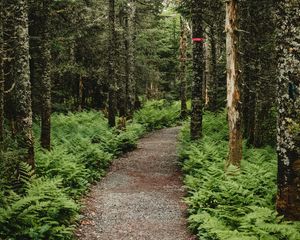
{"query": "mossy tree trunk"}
[(22, 92), (198, 68), (233, 84), (288, 37)]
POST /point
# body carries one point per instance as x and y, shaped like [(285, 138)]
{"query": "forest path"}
[(141, 196)]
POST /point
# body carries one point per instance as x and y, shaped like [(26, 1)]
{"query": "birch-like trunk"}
[(288, 129), (233, 84)]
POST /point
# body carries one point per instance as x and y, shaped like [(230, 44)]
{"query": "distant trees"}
[(288, 128), (258, 71)]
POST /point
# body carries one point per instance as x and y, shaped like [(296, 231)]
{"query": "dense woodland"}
[(81, 81)]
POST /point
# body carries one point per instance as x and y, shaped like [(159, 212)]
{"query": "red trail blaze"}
[(198, 39)]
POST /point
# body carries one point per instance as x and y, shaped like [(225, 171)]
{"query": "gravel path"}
[(141, 197)]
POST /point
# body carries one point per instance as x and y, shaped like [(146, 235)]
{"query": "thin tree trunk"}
[(111, 67), (123, 76), (288, 134), (45, 77), (1, 74), (213, 83), (80, 94), (182, 67), (198, 68), (131, 57), (233, 84), (9, 39), (22, 91)]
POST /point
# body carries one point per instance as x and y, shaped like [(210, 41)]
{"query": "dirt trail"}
[(141, 197)]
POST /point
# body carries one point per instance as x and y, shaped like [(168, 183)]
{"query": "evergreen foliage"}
[(238, 203)]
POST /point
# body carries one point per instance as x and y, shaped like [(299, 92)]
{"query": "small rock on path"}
[(141, 197)]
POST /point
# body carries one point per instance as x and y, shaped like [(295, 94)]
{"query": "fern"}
[(237, 204)]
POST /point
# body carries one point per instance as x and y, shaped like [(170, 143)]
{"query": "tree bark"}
[(211, 78), (80, 94), (131, 57), (45, 77), (233, 84), (1, 74), (198, 68), (111, 66), (288, 135), (40, 67), (182, 67), (22, 91)]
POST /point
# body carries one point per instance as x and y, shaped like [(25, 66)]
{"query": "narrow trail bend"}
[(141, 197)]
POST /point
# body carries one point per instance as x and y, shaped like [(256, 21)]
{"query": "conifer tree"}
[(288, 135), (21, 72), (131, 78), (183, 67), (1, 73), (198, 68), (111, 65), (39, 29)]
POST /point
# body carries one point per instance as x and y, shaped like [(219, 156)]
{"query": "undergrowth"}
[(158, 114), (43, 204), (238, 205)]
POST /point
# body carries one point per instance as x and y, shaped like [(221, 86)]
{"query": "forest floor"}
[(141, 196)]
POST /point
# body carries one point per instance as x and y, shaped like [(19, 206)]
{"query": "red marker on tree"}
[(198, 39)]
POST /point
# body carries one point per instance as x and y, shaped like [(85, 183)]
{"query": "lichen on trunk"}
[(288, 128)]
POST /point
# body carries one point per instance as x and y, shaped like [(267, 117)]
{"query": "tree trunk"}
[(131, 57), (182, 67), (45, 77), (212, 81), (111, 66), (22, 91), (233, 84), (288, 37), (80, 94), (1, 74), (123, 71), (198, 68), (9, 40)]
